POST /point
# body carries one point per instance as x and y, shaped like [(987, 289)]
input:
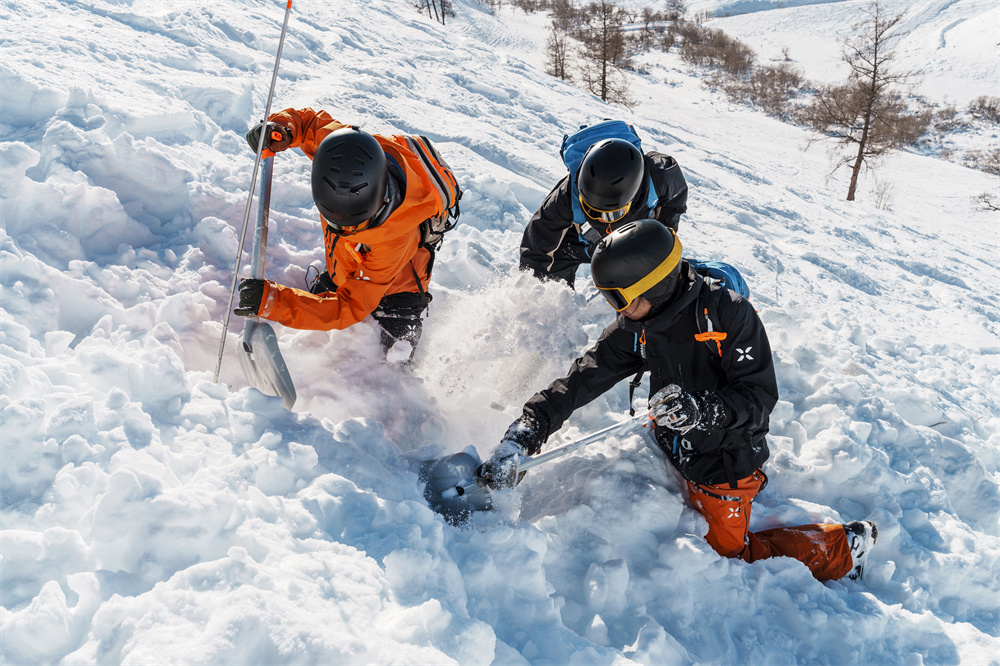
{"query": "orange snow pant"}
[(822, 548)]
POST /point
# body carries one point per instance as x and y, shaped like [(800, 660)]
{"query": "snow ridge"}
[(149, 515)]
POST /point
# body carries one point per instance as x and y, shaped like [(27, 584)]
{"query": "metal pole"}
[(527, 462), (253, 182), (524, 463)]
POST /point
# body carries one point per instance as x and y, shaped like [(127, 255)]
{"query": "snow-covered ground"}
[(950, 50), (950, 46), (152, 516)]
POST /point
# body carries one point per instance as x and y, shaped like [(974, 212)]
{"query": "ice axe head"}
[(452, 486)]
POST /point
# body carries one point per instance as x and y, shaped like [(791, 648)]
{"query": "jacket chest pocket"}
[(686, 365), (665, 365), (351, 263)]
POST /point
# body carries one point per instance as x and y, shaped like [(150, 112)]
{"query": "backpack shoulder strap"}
[(632, 386), (443, 180), (640, 346), (707, 321), (440, 174), (652, 198)]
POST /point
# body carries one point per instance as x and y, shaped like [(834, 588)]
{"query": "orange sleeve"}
[(308, 127), (361, 287), (300, 309)]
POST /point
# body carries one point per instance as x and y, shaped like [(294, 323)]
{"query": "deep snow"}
[(149, 515)]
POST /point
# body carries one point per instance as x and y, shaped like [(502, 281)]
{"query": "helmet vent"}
[(360, 186)]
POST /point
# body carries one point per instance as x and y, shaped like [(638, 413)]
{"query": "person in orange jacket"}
[(373, 193)]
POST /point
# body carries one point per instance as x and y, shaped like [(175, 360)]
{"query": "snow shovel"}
[(249, 336), (453, 485), (260, 357)]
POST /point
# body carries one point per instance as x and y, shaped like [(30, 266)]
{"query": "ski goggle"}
[(621, 297), (606, 215)]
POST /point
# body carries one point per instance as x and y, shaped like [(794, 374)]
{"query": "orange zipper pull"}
[(353, 250), (717, 336)]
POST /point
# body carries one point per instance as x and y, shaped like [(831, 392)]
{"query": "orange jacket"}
[(369, 264)]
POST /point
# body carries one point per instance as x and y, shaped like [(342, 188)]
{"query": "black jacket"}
[(742, 377), (551, 245)]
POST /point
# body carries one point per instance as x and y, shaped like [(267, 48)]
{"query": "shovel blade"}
[(262, 363), (444, 476)]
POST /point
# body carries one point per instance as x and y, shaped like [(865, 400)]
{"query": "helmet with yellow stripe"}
[(642, 258)]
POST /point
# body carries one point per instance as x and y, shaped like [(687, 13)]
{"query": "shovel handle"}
[(263, 214), (525, 463)]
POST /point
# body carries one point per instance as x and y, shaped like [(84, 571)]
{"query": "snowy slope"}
[(149, 515), (951, 46)]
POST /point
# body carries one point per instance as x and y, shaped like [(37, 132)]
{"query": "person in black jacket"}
[(712, 387), (614, 182)]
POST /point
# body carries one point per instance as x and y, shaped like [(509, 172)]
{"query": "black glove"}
[(251, 294), (274, 144), (524, 436), (674, 408)]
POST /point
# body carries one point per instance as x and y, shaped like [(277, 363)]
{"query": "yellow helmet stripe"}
[(633, 291)]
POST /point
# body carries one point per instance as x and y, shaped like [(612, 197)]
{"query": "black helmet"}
[(609, 178), (640, 259), (349, 178)]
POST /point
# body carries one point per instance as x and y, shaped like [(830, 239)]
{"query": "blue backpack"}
[(576, 145), (723, 273)]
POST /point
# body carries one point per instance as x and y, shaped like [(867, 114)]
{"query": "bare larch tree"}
[(868, 112), (436, 9), (557, 49), (605, 53)]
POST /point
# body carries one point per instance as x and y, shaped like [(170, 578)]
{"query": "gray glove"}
[(500, 471), (524, 436), (674, 408)]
